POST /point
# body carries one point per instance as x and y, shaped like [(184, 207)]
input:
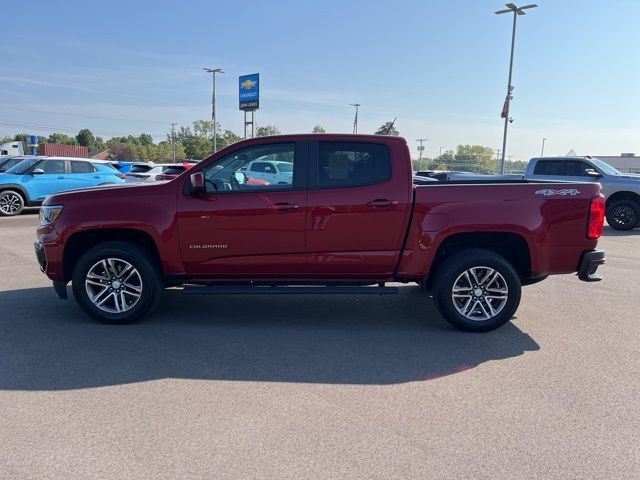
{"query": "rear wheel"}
[(116, 283), (11, 203), (623, 214), (477, 290)]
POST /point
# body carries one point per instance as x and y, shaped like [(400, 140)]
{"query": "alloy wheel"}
[(113, 285), (10, 203), (480, 293)]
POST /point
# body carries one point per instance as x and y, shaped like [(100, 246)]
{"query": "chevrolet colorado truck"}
[(351, 219)]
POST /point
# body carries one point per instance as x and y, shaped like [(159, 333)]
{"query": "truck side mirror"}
[(592, 172), (196, 184)]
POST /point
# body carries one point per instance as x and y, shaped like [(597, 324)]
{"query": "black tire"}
[(623, 214), (148, 273), (11, 203), (451, 272)]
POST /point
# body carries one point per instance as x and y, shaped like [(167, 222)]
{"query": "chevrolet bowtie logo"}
[(248, 84)]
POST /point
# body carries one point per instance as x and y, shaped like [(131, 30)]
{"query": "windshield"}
[(23, 166), (606, 167)]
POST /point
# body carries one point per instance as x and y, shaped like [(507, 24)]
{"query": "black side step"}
[(286, 290)]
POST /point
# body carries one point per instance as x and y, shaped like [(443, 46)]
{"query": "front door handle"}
[(60, 178), (382, 203), (283, 206), (97, 177)]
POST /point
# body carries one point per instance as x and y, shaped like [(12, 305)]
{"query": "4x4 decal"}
[(548, 192)]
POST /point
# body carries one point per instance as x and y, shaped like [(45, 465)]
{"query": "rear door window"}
[(350, 164), (548, 167), (82, 167)]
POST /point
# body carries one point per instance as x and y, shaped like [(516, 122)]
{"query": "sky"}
[(441, 67)]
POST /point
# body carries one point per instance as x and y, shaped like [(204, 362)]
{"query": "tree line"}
[(196, 142)]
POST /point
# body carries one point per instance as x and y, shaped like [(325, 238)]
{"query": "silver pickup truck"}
[(621, 190)]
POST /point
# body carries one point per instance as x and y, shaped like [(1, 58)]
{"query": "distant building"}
[(102, 154), (625, 162), (62, 150)]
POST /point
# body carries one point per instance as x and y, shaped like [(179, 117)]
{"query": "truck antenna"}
[(391, 126)]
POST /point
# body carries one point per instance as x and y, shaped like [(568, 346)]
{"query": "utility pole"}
[(511, 8), (542, 151), (441, 151), (498, 154), (421, 149), (173, 140), (355, 120), (213, 72)]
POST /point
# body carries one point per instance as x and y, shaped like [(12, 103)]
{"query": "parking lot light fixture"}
[(511, 8), (213, 72)]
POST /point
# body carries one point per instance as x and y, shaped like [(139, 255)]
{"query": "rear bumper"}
[(589, 264)]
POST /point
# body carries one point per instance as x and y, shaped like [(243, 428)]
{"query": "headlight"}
[(49, 213)]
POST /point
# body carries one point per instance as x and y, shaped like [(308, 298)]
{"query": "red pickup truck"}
[(350, 218)]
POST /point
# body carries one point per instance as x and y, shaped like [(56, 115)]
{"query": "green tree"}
[(227, 138), (61, 138), (476, 158), (145, 139), (388, 128), (267, 131), (86, 138), (318, 129)]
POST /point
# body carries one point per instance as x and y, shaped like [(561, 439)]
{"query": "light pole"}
[(173, 140), (542, 152), (511, 8), (441, 151), (421, 149), (213, 72), (355, 119)]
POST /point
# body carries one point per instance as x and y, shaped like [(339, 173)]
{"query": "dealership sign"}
[(250, 92)]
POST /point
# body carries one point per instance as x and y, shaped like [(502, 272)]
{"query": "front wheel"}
[(623, 214), (477, 290), (116, 283), (11, 203)]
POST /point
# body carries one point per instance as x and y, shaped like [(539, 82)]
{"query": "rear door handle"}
[(60, 178), (283, 206), (96, 176), (382, 203)]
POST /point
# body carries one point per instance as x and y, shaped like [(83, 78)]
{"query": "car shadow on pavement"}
[(49, 344)]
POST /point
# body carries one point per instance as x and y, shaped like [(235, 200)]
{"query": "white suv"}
[(273, 171)]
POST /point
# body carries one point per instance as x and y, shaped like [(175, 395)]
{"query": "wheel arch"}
[(80, 242), (622, 195), (18, 189), (512, 246)]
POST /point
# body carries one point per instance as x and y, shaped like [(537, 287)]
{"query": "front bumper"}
[(41, 256), (589, 264)]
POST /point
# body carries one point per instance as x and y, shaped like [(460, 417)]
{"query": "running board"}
[(286, 290)]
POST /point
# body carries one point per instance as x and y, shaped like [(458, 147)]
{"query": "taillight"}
[(596, 217)]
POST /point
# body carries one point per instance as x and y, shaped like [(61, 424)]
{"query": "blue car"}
[(29, 182)]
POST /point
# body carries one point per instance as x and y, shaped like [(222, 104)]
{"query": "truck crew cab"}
[(350, 221)]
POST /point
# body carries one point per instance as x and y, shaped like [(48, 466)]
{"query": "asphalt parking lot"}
[(320, 387)]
